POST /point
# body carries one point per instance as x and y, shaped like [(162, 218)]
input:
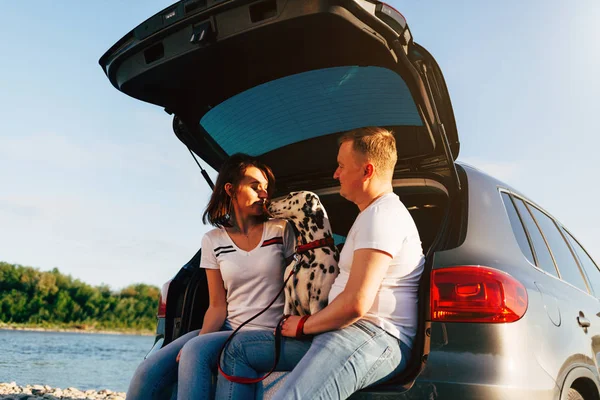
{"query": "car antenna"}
[(202, 171)]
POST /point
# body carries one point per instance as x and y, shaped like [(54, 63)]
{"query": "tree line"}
[(51, 299)]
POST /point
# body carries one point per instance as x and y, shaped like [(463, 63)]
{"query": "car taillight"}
[(162, 300), (476, 294)]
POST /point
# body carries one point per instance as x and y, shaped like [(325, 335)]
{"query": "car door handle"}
[(583, 322)]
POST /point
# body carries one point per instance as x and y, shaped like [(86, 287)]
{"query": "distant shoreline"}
[(11, 327)]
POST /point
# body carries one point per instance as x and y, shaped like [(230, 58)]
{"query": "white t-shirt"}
[(387, 225), (251, 278)]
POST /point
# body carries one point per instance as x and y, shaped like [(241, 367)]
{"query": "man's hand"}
[(290, 325)]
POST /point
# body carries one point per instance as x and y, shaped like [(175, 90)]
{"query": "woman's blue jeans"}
[(194, 374), (333, 366)]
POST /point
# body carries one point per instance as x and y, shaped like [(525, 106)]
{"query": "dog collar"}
[(327, 242)]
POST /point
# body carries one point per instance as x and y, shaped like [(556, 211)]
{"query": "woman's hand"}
[(179, 354)]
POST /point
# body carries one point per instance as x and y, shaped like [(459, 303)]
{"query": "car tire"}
[(573, 394)]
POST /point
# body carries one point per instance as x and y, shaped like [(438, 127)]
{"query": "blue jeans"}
[(155, 377), (333, 366)]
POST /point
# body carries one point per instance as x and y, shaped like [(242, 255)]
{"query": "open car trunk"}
[(282, 79)]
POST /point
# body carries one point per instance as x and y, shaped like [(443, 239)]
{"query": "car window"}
[(590, 267), (544, 259), (309, 105), (565, 261), (517, 227)]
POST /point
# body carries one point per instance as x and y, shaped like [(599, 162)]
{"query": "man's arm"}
[(366, 274)]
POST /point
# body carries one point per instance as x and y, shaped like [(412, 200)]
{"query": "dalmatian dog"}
[(308, 291)]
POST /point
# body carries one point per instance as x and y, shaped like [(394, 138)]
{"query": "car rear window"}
[(308, 105), (517, 227), (544, 258), (565, 260)]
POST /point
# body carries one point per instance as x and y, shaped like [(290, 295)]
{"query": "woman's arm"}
[(217, 309)]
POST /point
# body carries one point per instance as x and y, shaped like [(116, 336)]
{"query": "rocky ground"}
[(12, 391)]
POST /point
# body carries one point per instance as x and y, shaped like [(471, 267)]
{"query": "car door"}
[(590, 268), (567, 339), (577, 306)]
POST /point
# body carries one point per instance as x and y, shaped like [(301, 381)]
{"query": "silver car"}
[(508, 301)]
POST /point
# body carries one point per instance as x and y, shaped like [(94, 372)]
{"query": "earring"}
[(227, 217)]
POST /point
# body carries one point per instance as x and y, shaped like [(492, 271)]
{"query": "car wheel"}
[(574, 395)]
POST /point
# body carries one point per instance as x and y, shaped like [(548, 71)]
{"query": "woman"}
[(244, 257)]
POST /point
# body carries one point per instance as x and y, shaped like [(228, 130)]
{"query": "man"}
[(364, 335)]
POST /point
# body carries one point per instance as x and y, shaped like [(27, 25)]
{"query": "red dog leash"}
[(241, 379), (327, 242)]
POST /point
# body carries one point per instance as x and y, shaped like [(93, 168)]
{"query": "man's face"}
[(350, 172)]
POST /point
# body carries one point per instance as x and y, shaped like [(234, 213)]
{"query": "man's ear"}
[(368, 170)]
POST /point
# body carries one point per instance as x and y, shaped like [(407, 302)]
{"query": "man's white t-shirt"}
[(251, 278), (387, 225)]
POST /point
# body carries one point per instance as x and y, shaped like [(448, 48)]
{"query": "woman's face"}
[(250, 197)]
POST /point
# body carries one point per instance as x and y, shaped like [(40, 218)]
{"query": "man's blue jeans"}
[(333, 366)]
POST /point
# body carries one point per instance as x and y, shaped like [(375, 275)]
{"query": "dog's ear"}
[(312, 200)]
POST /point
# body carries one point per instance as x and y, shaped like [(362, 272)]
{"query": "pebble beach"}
[(10, 391)]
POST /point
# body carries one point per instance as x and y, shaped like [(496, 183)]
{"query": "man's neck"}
[(373, 193)]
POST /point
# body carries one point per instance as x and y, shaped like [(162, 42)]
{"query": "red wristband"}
[(300, 328)]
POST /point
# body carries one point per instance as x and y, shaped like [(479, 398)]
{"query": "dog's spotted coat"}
[(308, 291)]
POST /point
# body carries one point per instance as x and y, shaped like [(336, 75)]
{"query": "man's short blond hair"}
[(377, 145)]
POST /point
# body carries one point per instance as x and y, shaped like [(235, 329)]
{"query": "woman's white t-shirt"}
[(387, 225), (251, 278)]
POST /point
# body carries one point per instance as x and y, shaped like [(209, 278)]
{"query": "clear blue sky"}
[(96, 184)]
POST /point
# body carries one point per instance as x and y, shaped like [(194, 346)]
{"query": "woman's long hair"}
[(218, 210)]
